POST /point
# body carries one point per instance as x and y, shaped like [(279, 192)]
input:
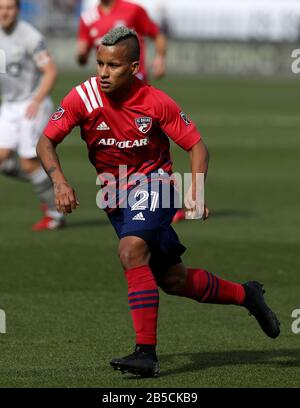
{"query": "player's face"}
[(8, 13), (115, 70)]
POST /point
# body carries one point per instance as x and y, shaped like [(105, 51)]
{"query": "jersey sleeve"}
[(175, 123), (37, 48), (67, 116), (144, 25)]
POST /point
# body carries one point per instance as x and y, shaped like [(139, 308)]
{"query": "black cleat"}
[(141, 362), (255, 303)]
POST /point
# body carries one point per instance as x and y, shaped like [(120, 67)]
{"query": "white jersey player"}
[(26, 106)]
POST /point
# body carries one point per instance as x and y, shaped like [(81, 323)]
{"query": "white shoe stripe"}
[(96, 90), (91, 95), (84, 98)]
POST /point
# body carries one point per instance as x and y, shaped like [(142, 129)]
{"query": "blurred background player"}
[(26, 106), (97, 21)]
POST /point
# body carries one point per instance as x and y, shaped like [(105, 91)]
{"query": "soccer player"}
[(26, 106), (97, 21), (124, 121)]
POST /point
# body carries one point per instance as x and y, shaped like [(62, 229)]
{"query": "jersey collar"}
[(122, 101), (110, 11)]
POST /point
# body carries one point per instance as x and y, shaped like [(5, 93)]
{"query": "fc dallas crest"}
[(143, 124), (58, 114)]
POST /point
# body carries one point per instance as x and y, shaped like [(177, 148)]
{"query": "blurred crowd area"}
[(215, 37), (233, 20), (52, 17)]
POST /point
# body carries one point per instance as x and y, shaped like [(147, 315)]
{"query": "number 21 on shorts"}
[(142, 196)]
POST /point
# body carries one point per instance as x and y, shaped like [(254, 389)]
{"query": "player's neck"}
[(122, 94), (107, 5)]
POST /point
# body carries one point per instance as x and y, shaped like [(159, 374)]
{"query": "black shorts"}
[(153, 225)]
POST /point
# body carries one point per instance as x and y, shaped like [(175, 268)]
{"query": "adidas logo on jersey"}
[(103, 126), (139, 217)]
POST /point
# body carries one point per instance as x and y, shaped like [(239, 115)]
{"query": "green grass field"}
[(64, 293)]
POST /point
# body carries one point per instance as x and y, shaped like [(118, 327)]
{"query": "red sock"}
[(143, 299), (205, 287)]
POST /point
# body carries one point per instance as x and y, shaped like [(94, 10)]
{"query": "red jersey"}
[(132, 132), (94, 24)]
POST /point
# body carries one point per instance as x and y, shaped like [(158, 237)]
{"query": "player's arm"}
[(147, 27), (159, 61), (46, 65), (199, 159), (83, 46), (179, 127), (83, 52), (47, 83), (65, 197), (61, 123)]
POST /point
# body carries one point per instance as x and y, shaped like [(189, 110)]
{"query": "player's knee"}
[(133, 251), (29, 165), (172, 283)]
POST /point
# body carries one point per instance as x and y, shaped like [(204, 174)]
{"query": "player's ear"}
[(135, 67)]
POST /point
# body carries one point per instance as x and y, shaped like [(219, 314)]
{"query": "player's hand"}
[(82, 59), (66, 200), (159, 66), (197, 212), (205, 213), (195, 208), (32, 109)]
